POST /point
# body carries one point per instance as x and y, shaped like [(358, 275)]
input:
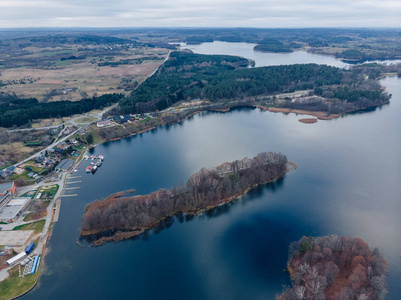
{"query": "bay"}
[(347, 183)]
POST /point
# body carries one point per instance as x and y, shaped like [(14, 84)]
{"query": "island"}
[(331, 267), (120, 217)]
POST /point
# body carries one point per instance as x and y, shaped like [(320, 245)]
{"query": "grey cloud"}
[(198, 13)]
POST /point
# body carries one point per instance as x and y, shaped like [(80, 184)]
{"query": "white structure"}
[(16, 258)]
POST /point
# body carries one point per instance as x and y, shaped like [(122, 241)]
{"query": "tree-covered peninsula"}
[(225, 79), (331, 267), (119, 217)]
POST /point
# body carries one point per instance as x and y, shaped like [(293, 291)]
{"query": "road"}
[(47, 148)]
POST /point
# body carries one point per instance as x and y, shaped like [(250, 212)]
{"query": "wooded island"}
[(331, 267), (119, 217)]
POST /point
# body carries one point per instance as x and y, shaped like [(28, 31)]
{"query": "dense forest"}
[(274, 45), (330, 267), (104, 220), (15, 111), (187, 76), (183, 73)]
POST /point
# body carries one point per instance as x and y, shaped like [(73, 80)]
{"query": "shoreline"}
[(127, 233), (321, 115)]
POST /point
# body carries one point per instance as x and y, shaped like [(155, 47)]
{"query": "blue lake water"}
[(347, 183)]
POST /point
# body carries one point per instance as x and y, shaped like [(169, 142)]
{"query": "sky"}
[(200, 13)]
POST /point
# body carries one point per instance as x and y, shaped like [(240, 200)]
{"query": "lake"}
[(347, 183)]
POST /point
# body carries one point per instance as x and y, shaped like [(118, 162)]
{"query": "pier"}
[(71, 182), (56, 208)]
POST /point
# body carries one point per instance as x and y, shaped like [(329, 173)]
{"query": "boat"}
[(94, 168), (98, 163), (88, 169), (86, 157), (101, 157)]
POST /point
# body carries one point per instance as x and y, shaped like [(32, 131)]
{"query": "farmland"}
[(75, 69)]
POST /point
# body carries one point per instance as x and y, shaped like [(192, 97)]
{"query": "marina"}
[(94, 165)]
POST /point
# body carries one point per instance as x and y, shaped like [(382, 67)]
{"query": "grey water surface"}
[(348, 182)]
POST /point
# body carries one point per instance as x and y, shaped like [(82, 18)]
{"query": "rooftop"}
[(12, 209), (65, 164), (6, 186)]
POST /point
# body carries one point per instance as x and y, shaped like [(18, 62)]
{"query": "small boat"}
[(98, 163), (92, 163), (93, 157), (94, 168), (101, 157), (86, 157), (88, 169)]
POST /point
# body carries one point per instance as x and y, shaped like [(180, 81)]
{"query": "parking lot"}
[(15, 237)]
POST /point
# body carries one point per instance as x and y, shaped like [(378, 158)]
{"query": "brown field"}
[(77, 79), (123, 70), (9, 152)]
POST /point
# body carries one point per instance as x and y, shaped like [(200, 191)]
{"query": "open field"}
[(37, 227), (15, 151), (85, 120), (56, 77), (14, 285)]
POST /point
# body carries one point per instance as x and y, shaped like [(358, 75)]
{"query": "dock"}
[(56, 208), (72, 195), (71, 182)]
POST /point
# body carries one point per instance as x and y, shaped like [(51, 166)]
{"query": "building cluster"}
[(131, 118)]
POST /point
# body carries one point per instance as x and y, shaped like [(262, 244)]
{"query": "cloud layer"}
[(200, 13)]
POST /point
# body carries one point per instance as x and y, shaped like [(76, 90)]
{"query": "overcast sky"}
[(200, 13)]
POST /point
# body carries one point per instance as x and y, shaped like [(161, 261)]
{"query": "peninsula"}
[(119, 217), (331, 267)]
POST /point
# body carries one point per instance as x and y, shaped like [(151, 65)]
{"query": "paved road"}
[(47, 148)]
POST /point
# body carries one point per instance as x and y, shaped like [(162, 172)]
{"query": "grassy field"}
[(49, 192), (14, 285), (86, 120), (36, 226)]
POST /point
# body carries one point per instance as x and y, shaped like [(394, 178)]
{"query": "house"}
[(10, 170), (40, 159), (50, 162), (60, 146)]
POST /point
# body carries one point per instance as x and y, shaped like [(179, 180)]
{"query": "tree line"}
[(15, 111), (205, 189), (335, 268)]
